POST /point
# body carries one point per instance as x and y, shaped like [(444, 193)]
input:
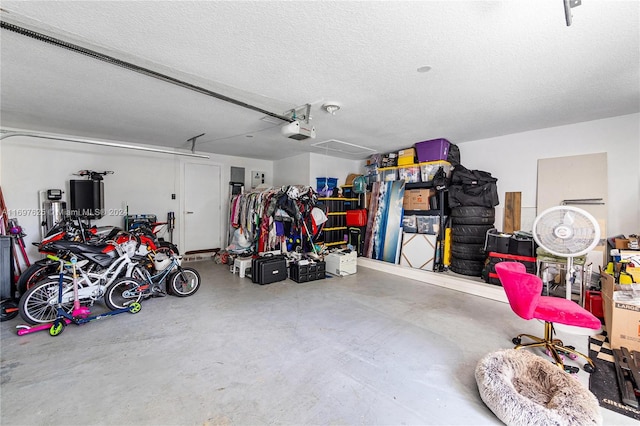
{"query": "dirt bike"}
[(73, 237)]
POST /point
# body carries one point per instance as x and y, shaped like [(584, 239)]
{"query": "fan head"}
[(566, 231)]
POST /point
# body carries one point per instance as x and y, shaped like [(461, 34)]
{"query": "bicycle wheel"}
[(123, 292), (39, 304), (184, 282), (36, 272), (8, 310)]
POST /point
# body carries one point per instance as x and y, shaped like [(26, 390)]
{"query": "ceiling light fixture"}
[(331, 107)]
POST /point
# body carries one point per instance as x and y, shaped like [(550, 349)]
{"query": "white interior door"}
[(202, 201)]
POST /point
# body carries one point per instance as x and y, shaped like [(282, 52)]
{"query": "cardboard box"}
[(417, 199), (622, 243), (406, 157), (621, 319), (632, 256)]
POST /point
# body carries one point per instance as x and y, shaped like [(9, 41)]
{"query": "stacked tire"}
[(469, 226)]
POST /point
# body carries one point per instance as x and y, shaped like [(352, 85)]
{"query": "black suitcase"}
[(268, 269)]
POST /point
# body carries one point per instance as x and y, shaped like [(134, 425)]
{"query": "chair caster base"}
[(571, 369)]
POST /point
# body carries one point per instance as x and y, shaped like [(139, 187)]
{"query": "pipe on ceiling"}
[(102, 143), (132, 67)]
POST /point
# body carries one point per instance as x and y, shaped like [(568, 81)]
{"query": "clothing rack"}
[(256, 214)]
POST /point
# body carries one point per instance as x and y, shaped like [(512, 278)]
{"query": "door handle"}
[(188, 212)]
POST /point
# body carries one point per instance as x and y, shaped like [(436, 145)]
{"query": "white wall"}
[(513, 160), (303, 169), (325, 166), (143, 181), (292, 171)]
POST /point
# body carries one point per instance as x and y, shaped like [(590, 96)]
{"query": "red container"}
[(357, 217), (432, 150), (593, 303)]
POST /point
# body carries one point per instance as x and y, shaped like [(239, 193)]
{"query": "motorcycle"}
[(91, 243)]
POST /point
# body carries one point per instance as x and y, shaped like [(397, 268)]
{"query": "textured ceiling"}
[(496, 68)]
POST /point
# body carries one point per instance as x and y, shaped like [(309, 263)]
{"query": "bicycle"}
[(39, 304), (79, 314), (180, 281)]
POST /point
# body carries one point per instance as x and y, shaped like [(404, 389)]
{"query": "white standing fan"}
[(566, 231)]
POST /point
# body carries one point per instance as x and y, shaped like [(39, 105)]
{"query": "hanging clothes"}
[(267, 217)]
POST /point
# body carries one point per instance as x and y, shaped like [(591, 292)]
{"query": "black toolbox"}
[(268, 269), (307, 272)]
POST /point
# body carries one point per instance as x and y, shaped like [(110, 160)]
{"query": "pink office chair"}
[(524, 293)]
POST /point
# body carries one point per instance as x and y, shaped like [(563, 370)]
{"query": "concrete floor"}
[(367, 349)]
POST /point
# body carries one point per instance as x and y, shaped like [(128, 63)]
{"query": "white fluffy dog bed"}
[(524, 389)]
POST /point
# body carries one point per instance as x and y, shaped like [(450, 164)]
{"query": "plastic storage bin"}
[(388, 174), (428, 224), (429, 169), (432, 150), (410, 174), (409, 224), (329, 183), (309, 272)]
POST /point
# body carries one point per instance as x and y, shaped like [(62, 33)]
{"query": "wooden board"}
[(512, 211), (566, 180)]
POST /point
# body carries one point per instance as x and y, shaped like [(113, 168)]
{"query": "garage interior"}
[(174, 99)]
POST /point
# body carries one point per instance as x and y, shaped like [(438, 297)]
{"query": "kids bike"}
[(180, 281), (79, 314)]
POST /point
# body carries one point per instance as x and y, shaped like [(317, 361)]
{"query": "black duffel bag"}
[(472, 188)]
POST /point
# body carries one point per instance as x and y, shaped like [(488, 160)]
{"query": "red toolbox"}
[(357, 217)]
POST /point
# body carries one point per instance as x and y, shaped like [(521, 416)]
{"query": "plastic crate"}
[(432, 150), (309, 272), (428, 224), (328, 182), (429, 169), (388, 174), (410, 174), (138, 220)]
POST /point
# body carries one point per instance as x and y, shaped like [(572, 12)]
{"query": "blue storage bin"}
[(328, 182)]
